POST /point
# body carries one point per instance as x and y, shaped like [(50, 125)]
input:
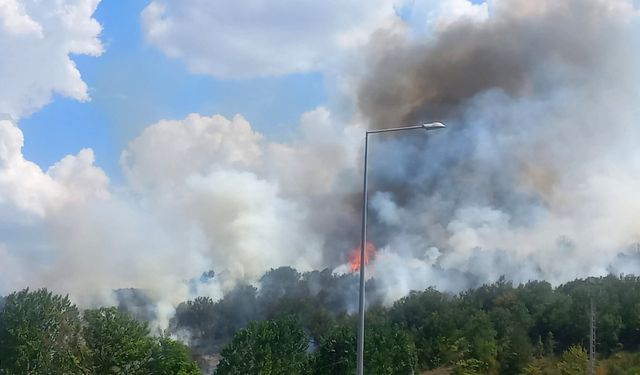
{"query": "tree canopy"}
[(305, 324), (273, 347), (42, 333)]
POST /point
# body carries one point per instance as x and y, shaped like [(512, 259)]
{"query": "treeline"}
[(45, 334), (320, 300), (494, 329), (305, 324)]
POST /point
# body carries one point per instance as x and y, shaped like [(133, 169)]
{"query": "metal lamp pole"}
[(363, 239)]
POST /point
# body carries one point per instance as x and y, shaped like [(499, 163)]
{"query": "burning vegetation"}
[(355, 254)]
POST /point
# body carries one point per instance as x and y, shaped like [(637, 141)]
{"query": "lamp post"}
[(363, 239)]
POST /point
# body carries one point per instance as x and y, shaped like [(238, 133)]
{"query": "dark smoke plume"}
[(532, 176)]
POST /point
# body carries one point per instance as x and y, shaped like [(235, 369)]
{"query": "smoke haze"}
[(535, 177)]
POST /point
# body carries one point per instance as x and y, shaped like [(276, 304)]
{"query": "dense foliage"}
[(305, 324), (319, 299), (44, 333), (388, 350), (40, 333), (273, 347), (494, 329)]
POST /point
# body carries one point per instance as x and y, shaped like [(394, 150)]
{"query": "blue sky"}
[(133, 85)]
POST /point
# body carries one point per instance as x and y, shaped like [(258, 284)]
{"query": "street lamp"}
[(363, 240)]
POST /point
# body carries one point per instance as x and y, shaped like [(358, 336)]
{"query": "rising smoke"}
[(535, 177)]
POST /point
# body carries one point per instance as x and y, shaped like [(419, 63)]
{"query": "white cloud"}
[(240, 39), (33, 203), (36, 40), (26, 188), (65, 230), (169, 151), (15, 20)]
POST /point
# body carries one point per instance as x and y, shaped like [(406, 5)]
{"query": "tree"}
[(235, 311), (574, 361), (549, 345), (623, 364), (280, 282), (271, 347), (469, 366), (198, 317), (117, 343), (387, 350), (428, 315), (514, 351), (40, 334), (336, 353), (170, 357)]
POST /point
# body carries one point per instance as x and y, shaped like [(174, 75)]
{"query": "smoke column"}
[(536, 176)]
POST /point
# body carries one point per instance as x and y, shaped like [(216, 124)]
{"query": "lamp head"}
[(433, 125)]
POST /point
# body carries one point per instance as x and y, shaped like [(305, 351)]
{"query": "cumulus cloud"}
[(28, 189), (31, 200), (36, 40), (66, 229), (169, 151), (234, 39)]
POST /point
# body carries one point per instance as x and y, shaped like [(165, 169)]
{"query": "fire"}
[(354, 256)]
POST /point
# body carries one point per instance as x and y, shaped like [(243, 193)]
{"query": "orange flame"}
[(354, 256)]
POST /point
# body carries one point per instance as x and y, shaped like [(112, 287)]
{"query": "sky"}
[(133, 85), (143, 143), (110, 110)]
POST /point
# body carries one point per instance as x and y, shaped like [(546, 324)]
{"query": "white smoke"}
[(202, 193), (535, 176)]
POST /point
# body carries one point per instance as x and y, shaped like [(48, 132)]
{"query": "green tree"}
[(574, 361), (117, 343), (387, 350), (623, 364), (198, 317), (271, 347), (337, 352), (549, 345), (170, 357), (514, 351), (40, 334), (469, 366), (477, 339), (428, 315)]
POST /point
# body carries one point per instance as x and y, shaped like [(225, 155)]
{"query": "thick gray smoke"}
[(536, 175)]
